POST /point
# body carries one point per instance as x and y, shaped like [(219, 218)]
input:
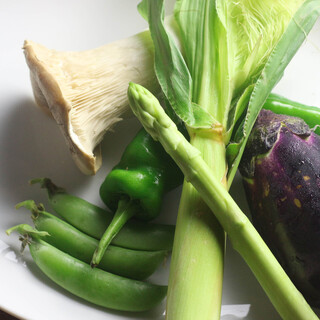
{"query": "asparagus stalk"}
[(287, 300)]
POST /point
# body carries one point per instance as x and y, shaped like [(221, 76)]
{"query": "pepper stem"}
[(126, 209)]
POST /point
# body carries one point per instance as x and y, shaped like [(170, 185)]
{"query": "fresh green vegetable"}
[(94, 220), (134, 264), (136, 186), (245, 239), (281, 170), (282, 105), (232, 54), (97, 286)]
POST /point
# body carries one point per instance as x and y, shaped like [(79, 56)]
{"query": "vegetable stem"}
[(288, 301), (126, 210), (196, 269)]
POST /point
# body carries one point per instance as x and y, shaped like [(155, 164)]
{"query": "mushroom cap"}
[(86, 92)]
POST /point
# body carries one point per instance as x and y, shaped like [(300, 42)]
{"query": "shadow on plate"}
[(32, 146)]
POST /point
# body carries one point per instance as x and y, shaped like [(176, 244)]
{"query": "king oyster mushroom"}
[(86, 92)]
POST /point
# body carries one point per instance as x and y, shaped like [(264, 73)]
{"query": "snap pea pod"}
[(281, 105), (94, 285), (134, 264), (94, 220)]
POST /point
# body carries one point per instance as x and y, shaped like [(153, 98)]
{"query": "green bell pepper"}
[(136, 186)]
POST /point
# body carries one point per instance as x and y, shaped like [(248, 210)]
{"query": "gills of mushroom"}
[(86, 92)]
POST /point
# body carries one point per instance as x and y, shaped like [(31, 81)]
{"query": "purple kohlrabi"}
[(281, 174)]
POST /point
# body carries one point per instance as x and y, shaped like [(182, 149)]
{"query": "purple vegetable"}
[(281, 174)]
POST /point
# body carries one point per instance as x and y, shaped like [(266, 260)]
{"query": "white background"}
[(32, 146)]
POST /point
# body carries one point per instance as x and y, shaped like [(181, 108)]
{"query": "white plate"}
[(32, 146)]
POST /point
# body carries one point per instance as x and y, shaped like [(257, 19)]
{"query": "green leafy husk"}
[(176, 74), (290, 41)]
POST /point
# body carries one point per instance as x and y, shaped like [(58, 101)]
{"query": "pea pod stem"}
[(94, 285), (126, 210), (245, 239)]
